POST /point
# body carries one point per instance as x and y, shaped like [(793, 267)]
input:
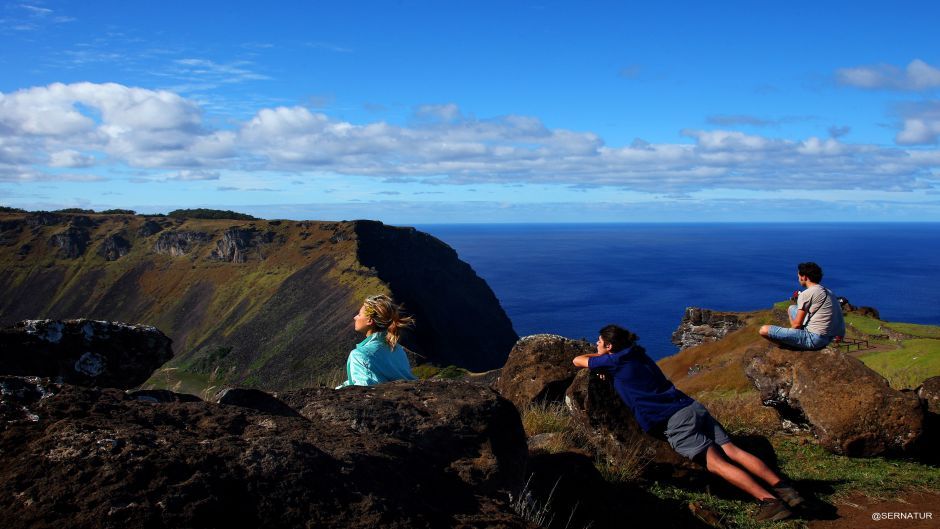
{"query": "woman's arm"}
[(582, 360)]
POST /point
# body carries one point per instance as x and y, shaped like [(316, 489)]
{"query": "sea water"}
[(572, 279)]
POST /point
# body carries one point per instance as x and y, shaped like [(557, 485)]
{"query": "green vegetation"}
[(915, 330), (201, 213), (75, 210), (864, 324), (118, 212), (6, 209), (906, 367), (427, 371)]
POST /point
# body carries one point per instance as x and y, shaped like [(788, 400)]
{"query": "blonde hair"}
[(387, 316)]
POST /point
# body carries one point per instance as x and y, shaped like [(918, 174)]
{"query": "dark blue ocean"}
[(572, 279)]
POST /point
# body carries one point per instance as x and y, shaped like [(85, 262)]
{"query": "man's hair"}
[(618, 337), (810, 270)]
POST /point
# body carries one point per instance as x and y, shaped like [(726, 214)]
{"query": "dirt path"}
[(919, 510)]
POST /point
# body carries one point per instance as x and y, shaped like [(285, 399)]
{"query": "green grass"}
[(875, 477), (864, 324), (916, 330), (906, 367), (817, 473)]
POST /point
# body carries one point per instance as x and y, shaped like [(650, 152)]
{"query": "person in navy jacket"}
[(661, 409)]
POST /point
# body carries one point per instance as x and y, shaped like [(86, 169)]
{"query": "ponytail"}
[(388, 317)]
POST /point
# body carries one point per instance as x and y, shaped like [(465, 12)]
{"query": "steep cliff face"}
[(261, 303)]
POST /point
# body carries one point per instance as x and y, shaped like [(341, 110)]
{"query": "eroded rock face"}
[(401, 455), (114, 247), (539, 369), (179, 243), (237, 244), (850, 408), (71, 242), (703, 325), (614, 432), (84, 352)]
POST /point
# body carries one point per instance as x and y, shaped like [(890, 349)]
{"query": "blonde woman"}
[(379, 358)]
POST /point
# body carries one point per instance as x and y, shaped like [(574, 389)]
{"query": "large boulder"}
[(614, 433), (703, 325), (84, 352), (539, 368), (929, 392), (850, 408), (400, 455)]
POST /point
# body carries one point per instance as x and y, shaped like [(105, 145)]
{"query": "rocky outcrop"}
[(929, 393), (114, 247), (440, 290), (703, 325), (71, 243), (851, 409), (179, 243), (405, 455), (847, 307), (237, 243), (539, 369), (86, 352)]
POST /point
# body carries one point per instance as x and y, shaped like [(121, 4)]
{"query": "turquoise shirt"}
[(373, 362)]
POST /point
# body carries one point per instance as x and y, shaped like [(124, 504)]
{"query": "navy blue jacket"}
[(642, 386)]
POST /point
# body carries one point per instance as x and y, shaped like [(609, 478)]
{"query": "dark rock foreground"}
[(397, 455), (84, 352)]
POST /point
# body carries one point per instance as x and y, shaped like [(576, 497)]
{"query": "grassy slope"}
[(197, 301)]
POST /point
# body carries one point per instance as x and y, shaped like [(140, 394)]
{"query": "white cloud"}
[(921, 123), (70, 158), (917, 76), (161, 130), (192, 175)]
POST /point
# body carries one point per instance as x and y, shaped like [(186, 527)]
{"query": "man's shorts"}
[(798, 338), (691, 430)]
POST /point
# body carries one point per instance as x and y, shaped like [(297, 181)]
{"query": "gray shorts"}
[(691, 430)]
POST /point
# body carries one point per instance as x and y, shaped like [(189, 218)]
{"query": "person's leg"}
[(800, 339), (716, 463), (751, 463)]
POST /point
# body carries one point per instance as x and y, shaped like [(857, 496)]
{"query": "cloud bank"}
[(86, 125)]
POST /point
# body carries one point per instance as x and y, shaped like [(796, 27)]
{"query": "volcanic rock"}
[(704, 325), (929, 392), (614, 432), (400, 455), (179, 243), (254, 399), (83, 352), (71, 242), (236, 244), (539, 369), (114, 247), (850, 408), (161, 396)]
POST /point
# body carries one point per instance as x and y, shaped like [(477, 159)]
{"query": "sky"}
[(457, 111)]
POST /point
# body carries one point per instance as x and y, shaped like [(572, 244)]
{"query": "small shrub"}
[(425, 371), (118, 212), (546, 417)]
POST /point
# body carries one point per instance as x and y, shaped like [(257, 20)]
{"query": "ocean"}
[(571, 279)]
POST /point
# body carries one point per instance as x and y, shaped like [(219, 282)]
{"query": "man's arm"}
[(582, 361), (797, 321)]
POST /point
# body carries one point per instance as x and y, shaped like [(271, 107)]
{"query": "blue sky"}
[(426, 112)]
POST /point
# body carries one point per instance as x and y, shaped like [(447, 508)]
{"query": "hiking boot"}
[(788, 494), (772, 511)]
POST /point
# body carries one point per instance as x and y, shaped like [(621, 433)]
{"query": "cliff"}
[(267, 304)]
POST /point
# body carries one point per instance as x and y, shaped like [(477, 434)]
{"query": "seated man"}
[(815, 319), (691, 431)]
